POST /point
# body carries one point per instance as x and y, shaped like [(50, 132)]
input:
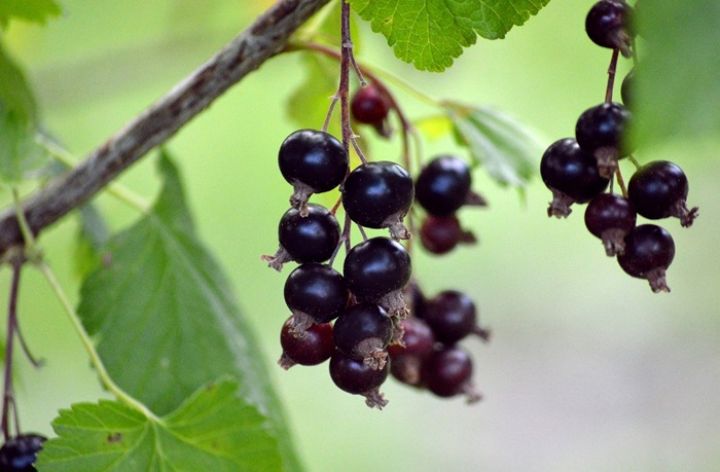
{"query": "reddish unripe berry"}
[(448, 372), (441, 234), (310, 347), (452, 316), (370, 105)]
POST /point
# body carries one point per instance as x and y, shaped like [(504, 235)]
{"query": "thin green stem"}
[(25, 230), (102, 372), (115, 189)]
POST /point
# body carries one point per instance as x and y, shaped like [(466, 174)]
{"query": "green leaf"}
[(213, 430), (92, 237), (678, 90), (165, 318), (36, 11), (431, 33), (508, 151)]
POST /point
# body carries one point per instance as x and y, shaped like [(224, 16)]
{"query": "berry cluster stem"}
[(8, 391), (612, 70)]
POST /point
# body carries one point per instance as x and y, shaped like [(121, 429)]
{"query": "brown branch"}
[(263, 39)]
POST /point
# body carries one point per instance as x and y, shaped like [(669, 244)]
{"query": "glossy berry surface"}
[(649, 251), (441, 234), (353, 376), (659, 190), (610, 217), (448, 372), (314, 159), (316, 290), (310, 347), (443, 185), (362, 331), (417, 340), (311, 238), (608, 24), (572, 172), (19, 453), (603, 128), (369, 105), (377, 194), (452, 316), (627, 88), (376, 267)]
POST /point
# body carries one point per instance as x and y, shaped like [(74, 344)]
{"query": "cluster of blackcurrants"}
[(18, 454), (580, 169)]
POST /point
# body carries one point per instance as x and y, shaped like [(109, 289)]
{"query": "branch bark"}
[(266, 37)]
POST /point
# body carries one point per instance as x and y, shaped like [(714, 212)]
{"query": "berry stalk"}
[(8, 393), (612, 70)]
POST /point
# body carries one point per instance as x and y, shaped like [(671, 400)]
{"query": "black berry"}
[(452, 316), (376, 267), (315, 293), (313, 162), (370, 106), (571, 174), (378, 195), (448, 372), (363, 332), (649, 251), (610, 217), (627, 90), (415, 299), (18, 454), (354, 376), (416, 345), (310, 347), (609, 24), (601, 131), (441, 234), (659, 190), (443, 186)]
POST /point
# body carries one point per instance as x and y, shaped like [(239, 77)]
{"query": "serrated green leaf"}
[(678, 90), (214, 430), (506, 149), (430, 34), (35, 11), (165, 319)]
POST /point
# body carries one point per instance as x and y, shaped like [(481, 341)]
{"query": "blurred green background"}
[(588, 370)]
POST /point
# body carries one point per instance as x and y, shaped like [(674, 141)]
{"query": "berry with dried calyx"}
[(448, 372), (415, 346), (356, 377), (649, 251), (315, 293), (609, 24), (659, 190), (19, 453), (443, 186), (601, 132), (610, 217), (310, 347), (452, 316), (363, 332)]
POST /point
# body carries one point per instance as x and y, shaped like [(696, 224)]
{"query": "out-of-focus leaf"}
[(91, 239), (213, 430), (502, 145), (430, 34), (308, 104), (35, 11), (434, 127), (165, 317)]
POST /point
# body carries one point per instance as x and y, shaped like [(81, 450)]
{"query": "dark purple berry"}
[(377, 267), (649, 251), (659, 190), (364, 331), (354, 376), (610, 217), (441, 234), (315, 293), (370, 105), (313, 162), (609, 24), (571, 174), (415, 345), (452, 316), (443, 186), (627, 90), (18, 454), (378, 195), (601, 131), (448, 372), (415, 299), (312, 346)]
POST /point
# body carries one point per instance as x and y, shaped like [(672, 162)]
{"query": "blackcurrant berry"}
[(601, 131), (310, 238), (627, 90), (571, 174), (659, 190), (649, 251), (378, 195), (364, 331), (415, 298), (18, 454), (376, 268), (441, 234), (370, 105), (354, 376), (315, 293), (610, 217), (443, 186), (313, 162), (310, 347), (609, 24), (452, 316), (416, 345), (448, 372)]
